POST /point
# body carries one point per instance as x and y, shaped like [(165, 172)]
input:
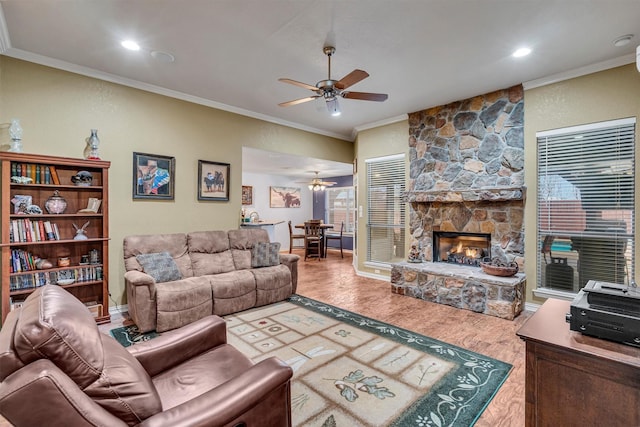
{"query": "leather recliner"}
[(58, 369)]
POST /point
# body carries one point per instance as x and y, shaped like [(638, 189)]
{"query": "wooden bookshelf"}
[(23, 240)]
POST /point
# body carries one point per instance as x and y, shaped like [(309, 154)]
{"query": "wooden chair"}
[(334, 236), (312, 240), (293, 236)]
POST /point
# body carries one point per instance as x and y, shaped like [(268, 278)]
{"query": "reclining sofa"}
[(175, 279)]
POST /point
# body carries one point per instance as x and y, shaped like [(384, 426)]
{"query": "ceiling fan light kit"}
[(330, 89), (318, 184)]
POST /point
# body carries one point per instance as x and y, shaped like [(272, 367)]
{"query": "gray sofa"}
[(175, 279)]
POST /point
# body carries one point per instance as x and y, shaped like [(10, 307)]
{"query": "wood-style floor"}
[(333, 281)]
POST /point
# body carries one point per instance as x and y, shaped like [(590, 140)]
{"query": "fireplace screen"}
[(461, 248)]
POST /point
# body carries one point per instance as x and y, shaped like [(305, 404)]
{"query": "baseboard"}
[(118, 310), (530, 306), (373, 275)]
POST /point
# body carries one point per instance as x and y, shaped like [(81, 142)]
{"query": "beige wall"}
[(57, 109), (377, 142), (606, 95)]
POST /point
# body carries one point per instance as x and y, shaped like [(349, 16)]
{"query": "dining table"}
[(323, 227)]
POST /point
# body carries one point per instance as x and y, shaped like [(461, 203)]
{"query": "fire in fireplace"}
[(461, 248)]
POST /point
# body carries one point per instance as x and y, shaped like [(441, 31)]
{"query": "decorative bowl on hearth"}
[(499, 268)]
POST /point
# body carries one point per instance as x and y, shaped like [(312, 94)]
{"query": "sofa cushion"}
[(209, 252), (232, 292), (241, 242), (54, 325), (160, 266), (265, 254), (175, 244), (272, 284), (182, 302)]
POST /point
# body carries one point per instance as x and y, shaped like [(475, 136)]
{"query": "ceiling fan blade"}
[(297, 83), (352, 78), (365, 96), (298, 101)]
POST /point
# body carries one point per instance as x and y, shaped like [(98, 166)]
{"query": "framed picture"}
[(213, 181), (153, 176), (284, 197), (247, 195)]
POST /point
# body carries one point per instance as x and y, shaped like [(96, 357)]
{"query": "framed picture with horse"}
[(213, 181), (153, 176)]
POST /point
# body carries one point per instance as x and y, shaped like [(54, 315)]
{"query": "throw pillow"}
[(265, 254), (160, 266)]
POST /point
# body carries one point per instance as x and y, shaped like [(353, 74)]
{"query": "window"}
[(386, 210), (341, 207), (586, 205)]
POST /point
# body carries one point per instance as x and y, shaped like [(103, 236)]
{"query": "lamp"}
[(333, 106), (316, 187)]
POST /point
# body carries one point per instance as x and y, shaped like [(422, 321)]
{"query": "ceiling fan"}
[(318, 184), (330, 89)]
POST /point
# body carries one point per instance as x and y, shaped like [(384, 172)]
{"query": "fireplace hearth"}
[(461, 248)]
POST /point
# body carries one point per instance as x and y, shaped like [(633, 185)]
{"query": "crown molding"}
[(378, 123), (579, 72), (112, 78)]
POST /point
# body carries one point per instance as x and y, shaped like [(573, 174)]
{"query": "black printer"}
[(606, 310)]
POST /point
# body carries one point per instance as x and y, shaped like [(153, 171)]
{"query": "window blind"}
[(385, 209), (586, 204), (340, 207)]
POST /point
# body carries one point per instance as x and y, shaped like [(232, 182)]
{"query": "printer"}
[(606, 310)]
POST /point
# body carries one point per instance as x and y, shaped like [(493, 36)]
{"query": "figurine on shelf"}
[(81, 232), (414, 253), (15, 131), (91, 150)]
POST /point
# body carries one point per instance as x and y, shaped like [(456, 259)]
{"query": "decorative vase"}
[(15, 131), (55, 204), (91, 150)]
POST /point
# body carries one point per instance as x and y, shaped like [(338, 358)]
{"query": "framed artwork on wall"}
[(247, 195), (284, 197), (153, 176), (213, 181)]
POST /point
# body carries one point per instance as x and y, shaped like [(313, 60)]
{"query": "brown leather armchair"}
[(57, 369)]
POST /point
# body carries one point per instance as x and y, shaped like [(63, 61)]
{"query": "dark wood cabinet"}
[(577, 380), (78, 265)]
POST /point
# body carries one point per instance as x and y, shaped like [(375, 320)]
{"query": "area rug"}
[(350, 370), (129, 335)]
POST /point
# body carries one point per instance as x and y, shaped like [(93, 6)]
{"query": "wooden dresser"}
[(577, 380)]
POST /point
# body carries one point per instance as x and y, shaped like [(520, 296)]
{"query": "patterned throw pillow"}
[(160, 266), (265, 254)]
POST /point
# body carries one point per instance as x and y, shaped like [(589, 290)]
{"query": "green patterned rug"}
[(350, 370)]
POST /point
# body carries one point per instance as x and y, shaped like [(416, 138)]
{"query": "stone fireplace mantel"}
[(495, 194)]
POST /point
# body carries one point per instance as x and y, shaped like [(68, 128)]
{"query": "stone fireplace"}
[(467, 179)]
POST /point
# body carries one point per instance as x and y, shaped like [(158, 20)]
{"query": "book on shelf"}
[(54, 175), (25, 230)]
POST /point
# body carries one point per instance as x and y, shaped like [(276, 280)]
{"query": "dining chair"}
[(334, 236), (293, 236), (312, 240)]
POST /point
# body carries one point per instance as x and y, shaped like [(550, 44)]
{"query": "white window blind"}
[(386, 210), (340, 207), (586, 205)]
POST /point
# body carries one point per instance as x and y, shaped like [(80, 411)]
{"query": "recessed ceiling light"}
[(130, 44), (523, 51), (162, 56), (623, 40)]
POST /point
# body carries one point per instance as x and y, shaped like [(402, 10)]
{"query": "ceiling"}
[(229, 54), (272, 163)]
